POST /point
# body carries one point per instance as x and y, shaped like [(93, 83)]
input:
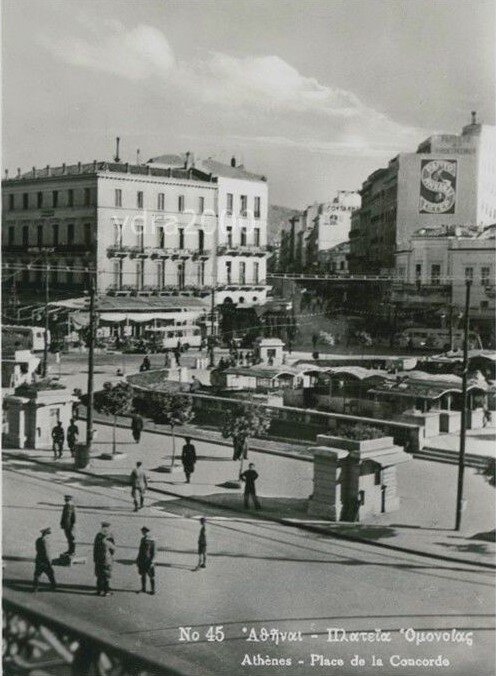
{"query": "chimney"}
[(138, 156), (18, 172), (190, 160), (117, 142), (474, 117), (34, 172), (233, 161)]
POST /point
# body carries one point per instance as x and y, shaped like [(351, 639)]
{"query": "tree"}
[(114, 400), (242, 422), (172, 409)]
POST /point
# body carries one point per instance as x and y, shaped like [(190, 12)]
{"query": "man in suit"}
[(103, 558), (67, 523), (139, 484), (136, 427), (72, 436), (249, 477), (146, 560), (43, 560), (188, 457)]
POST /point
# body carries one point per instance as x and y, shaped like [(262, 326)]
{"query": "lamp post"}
[(463, 428)]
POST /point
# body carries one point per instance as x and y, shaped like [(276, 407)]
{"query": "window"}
[(55, 198), (256, 272), (401, 272), (70, 197), (201, 273), (25, 236), (139, 199), (435, 274), (256, 209), (469, 273), (201, 205), (230, 203), (418, 271), (228, 272), (25, 200), (161, 274), (485, 276), (161, 237), (11, 235), (201, 240), (118, 234), (11, 202), (55, 234), (181, 275), (70, 234), (229, 236), (118, 197), (242, 273), (181, 238), (140, 274), (117, 271), (256, 236), (180, 203), (139, 236), (161, 201), (484, 305), (341, 265), (87, 234), (243, 204), (39, 236), (87, 197), (39, 200), (243, 237)]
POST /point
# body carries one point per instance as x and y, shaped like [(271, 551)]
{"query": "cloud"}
[(287, 107)]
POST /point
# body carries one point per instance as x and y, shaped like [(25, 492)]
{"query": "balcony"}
[(245, 250), (35, 641), (157, 253)]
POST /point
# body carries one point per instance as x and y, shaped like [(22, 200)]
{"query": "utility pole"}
[(47, 298), (451, 327), (91, 355), (463, 429)]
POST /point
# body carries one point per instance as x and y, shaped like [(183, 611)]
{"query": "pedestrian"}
[(72, 436), (188, 457), (146, 363), (167, 359), (249, 477), (195, 384), (67, 523), (139, 484), (202, 545), (58, 440), (103, 558), (43, 560), (136, 427), (146, 560), (177, 355)]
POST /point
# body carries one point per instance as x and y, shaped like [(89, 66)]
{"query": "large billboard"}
[(438, 187)]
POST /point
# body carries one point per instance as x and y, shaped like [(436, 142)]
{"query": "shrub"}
[(360, 432)]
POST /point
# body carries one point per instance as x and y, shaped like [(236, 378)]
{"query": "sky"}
[(314, 94)]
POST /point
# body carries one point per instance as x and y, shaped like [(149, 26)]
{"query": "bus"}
[(170, 337), (435, 339), (24, 337)]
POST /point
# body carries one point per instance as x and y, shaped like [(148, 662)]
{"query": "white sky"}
[(314, 94)]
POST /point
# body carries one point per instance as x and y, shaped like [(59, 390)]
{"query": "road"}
[(258, 575)]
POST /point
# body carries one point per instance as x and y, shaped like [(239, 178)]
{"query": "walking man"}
[(58, 440), (202, 545), (72, 436), (136, 427), (43, 560), (103, 558), (188, 457), (146, 560), (67, 523), (139, 484), (249, 477)]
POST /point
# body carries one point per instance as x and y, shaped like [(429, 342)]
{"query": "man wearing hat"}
[(202, 545), (146, 560), (43, 560), (139, 484), (67, 523), (58, 437), (103, 557), (188, 457)]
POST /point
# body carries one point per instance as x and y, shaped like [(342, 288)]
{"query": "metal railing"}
[(34, 642)]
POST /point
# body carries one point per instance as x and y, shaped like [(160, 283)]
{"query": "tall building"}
[(449, 181), (151, 229)]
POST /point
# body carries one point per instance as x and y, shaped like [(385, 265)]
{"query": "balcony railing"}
[(34, 642), (241, 250)]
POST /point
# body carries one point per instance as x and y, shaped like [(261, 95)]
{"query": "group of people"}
[(59, 436), (104, 549)]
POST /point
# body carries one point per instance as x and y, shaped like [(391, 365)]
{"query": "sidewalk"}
[(423, 525)]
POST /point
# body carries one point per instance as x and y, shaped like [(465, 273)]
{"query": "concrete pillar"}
[(326, 499)]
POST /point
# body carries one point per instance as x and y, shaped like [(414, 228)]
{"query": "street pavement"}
[(258, 574)]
